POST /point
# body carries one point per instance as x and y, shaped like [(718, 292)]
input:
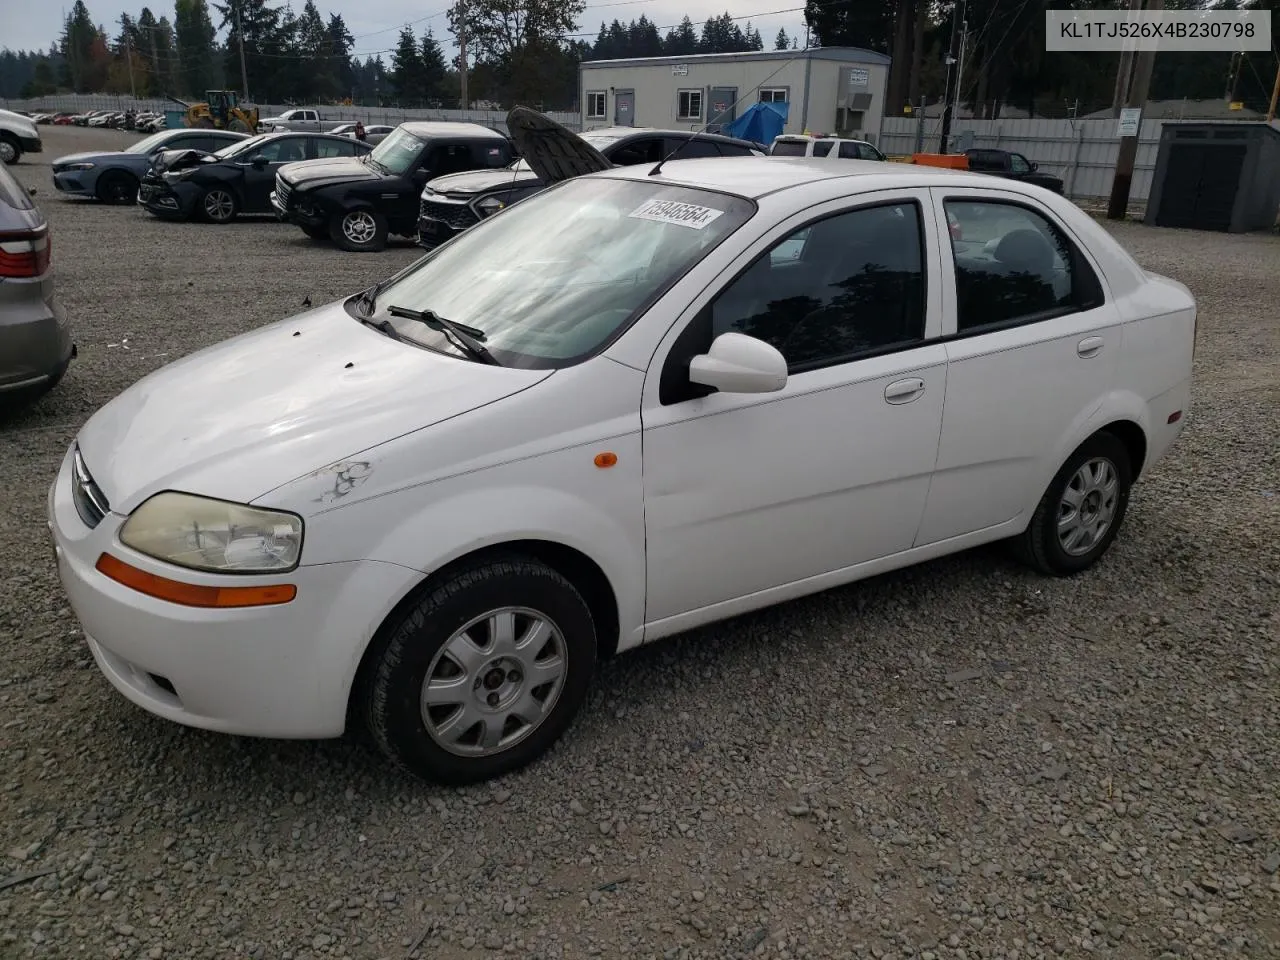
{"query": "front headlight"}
[(78, 166), (489, 206), (214, 535)]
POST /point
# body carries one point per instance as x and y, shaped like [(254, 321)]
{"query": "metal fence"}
[(389, 116), (1081, 152)]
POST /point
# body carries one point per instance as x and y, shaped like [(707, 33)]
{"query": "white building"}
[(835, 90)]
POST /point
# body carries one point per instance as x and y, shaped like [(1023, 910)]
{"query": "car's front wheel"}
[(359, 231), (117, 187), (218, 205), (482, 673), (10, 149), (1080, 514)]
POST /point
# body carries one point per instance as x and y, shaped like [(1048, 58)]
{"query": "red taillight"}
[(25, 254)]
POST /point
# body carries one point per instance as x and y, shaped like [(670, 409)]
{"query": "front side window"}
[(247, 147), (1013, 266), (849, 151), (449, 158), (689, 104), (832, 290), (1018, 163), (640, 150), (556, 277), (595, 104), (869, 152), (283, 150), (398, 153)]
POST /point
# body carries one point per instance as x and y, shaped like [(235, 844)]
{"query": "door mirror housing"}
[(257, 161), (737, 363), (1035, 166)]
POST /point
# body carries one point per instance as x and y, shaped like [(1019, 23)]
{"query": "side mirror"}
[(1035, 166), (737, 363), (257, 161)]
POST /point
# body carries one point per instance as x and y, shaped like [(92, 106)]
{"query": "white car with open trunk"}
[(642, 400)]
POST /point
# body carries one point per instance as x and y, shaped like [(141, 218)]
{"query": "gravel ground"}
[(961, 760)]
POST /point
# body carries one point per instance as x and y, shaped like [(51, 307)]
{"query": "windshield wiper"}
[(467, 338)]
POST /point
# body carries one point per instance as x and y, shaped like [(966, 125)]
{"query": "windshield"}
[(241, 145), (399, 152), (789, 148), (552, 279), (147, 144)]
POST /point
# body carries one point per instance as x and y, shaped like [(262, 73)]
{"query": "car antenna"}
[(657, 168)]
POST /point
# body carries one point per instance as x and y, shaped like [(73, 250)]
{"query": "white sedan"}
[(639, 401)]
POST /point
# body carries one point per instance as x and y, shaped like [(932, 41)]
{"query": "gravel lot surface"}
[(957, 761)]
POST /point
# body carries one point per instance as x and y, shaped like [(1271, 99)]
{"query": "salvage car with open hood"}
[(645, 399), (452, 203)]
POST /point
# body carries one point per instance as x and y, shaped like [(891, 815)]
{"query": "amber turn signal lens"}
[(190, 594), (606, 460)]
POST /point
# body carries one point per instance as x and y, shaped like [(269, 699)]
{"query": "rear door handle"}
[(1089, 347), (903, 391)]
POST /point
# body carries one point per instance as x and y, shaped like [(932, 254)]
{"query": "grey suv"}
[(35, 341)]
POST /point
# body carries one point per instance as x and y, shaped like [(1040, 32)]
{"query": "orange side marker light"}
[(606, 460), (190, 594)]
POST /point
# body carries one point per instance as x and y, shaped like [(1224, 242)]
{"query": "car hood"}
[(89, 158), (319, 173), (480, 181), (179, 159), (553, 151), (242, 417)]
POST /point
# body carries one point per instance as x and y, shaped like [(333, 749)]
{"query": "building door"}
[(624, 108), (722, 109), (1200, 185)]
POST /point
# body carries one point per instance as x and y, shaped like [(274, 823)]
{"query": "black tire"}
[(408, 646), (1040, 545), (12, 151), (117, 187), (218, 204), (372, 225)]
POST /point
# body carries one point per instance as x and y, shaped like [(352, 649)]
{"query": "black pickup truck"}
[(358, 202), (1014, 166)]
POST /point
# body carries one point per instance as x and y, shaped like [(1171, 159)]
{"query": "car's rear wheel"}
[(482, 674), (218, 205), (10, 148), (1080, 513), (359, 231), (117, 187)]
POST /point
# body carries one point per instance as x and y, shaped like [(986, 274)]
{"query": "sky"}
[(376, 23)]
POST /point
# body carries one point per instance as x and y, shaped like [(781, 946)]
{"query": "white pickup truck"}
[(299, 119)]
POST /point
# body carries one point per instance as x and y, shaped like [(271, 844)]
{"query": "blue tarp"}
[(761, 122)]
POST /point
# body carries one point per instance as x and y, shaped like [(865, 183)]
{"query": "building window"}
[(689, 104), (595, 104), (773, 95)]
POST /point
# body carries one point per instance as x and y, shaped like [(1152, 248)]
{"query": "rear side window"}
[(734, 150), (490, 155), (1014, 266), (849, 151), (690, 148), (334, 148), (643, 150), (822, 148), (788, 148)]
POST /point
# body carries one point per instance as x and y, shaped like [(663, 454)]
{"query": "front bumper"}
[(31, 144), (164, 201), (433, 232), (71, 182), (284, 671), (301, 214)]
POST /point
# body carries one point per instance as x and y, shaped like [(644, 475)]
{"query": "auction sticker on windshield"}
[(673, 211)]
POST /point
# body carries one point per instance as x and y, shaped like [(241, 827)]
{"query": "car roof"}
[(450, 128), (620, 132), (756, 177)]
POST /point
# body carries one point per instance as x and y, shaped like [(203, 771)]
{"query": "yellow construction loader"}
[(220, 110)]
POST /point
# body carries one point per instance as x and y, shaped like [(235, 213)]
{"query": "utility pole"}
[(244, 72), (128, 58), (1123, 179), (1125, 72), (957, 18), (462, 52), (155, 57), (1233, 75), (964, 43), (1275, 95)]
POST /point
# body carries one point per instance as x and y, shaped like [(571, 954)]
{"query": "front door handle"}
[(903, 391), (1089, 347)]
